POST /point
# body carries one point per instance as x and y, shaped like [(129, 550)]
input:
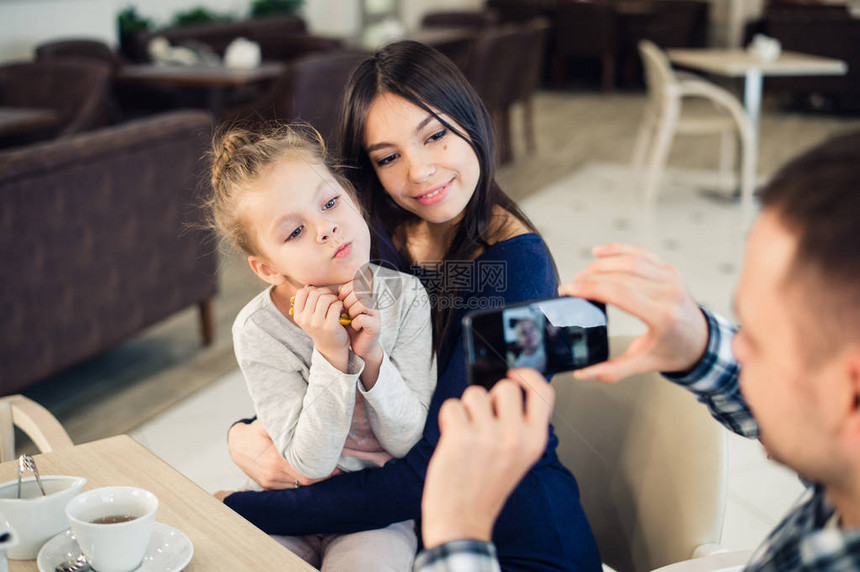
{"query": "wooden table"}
[(214, 79), (222, 539), (22, 120), (742, 64)]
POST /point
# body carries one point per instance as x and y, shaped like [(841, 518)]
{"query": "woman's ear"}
[(266, 273)]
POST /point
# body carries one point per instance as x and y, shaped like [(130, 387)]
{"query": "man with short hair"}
[(790, 376)]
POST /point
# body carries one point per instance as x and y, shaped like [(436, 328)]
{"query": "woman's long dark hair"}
[(426, 78)]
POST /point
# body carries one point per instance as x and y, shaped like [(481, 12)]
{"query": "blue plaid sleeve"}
[(459, 556), (714, 380)]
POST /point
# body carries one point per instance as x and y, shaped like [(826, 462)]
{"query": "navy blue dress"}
[(541, 528)]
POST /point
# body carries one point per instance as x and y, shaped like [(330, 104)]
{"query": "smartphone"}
[(551, 336)]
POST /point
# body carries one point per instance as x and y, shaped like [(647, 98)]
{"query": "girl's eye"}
[(295, 233), (330, 204), (386, 160), (438, 135)]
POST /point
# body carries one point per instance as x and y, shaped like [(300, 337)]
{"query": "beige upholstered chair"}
[(651, 465), (663, 119), (35, 421)]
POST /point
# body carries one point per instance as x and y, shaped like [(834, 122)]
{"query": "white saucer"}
[(169, 550)]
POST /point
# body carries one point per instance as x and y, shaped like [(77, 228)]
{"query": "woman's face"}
[(423, 166)]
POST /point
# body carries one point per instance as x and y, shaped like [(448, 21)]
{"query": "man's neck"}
[(848, 507)]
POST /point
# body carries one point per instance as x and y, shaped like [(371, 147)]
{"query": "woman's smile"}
[(435, 194)]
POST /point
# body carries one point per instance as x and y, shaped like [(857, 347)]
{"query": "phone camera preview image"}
[(551, 336)]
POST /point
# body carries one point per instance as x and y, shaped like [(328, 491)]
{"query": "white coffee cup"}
[(37, 518), (113, 546)]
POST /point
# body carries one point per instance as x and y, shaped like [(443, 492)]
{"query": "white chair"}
[(35, 421), (662, 120), (651, 464)]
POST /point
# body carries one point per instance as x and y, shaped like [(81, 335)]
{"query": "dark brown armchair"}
[(77, 91), (586, 29), (535, 35), (495, 69), (519, 11), (461, 19), (667, 23), (272, 34), (100, 238), (78, 49), (828, 31), (460, 50), (310, 90)]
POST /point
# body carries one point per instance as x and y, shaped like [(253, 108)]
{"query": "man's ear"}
[(266, 273), (852, 372)]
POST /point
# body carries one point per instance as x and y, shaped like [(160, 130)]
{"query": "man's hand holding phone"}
[(489, 440)]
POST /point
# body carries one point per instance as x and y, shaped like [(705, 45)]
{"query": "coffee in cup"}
[(113, 525)]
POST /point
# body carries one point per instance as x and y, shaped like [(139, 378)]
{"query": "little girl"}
[(334, 393)]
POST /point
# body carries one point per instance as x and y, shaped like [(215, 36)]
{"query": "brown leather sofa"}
[(280, 37), (100, 237)]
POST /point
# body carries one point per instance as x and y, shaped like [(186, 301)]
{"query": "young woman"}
[(418, 148)]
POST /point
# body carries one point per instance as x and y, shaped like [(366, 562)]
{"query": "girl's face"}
[(307, 229), (423, 166)]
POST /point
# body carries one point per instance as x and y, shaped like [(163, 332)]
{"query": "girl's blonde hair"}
[(239, 156)]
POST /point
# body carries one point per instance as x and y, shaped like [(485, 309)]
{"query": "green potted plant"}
[(198, 15), (262, 8), (129, 24)]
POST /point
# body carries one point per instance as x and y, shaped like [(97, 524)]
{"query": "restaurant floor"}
[(178, 398)]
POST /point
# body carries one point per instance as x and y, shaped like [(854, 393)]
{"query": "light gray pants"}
[(389, 549)]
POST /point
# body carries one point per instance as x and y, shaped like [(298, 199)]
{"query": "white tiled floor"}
[(702, 236)]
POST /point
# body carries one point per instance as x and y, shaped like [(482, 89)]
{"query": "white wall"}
[(27, 23)]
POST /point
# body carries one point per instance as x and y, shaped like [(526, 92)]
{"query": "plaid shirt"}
[(459, 556), (801, 541)]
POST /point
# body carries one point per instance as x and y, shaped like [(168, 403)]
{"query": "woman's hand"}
[(366, 323), (488, 442), (640, 283), (255, 453), (317, 312)]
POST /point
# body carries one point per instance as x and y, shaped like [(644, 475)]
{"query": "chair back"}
[(77, 49), (659, 77), (78, 91), (497, 65), (318, 84), (586, 28), (651, 464), (35, 421), (534, 35), (459, 50), (461, 19), (519, 11), (667, 23)]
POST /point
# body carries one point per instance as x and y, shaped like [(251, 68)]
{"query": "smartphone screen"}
[(551, 336)]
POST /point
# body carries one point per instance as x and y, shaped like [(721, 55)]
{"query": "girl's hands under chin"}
[(317, 312), (366, 323)]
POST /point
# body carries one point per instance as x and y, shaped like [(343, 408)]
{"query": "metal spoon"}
[(26, 463), (79, 564)]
